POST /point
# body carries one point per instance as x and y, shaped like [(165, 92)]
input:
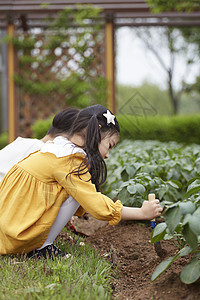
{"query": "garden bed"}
[(127, 246)]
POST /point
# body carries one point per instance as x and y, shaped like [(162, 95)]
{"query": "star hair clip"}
[(110, 118)]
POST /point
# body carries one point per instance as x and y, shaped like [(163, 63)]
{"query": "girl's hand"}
[(148, 211), (151, 209)]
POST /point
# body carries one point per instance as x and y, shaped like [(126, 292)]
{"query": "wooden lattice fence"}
[(52, 74)]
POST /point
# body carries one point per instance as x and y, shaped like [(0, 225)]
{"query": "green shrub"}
[(183, 129), (3, 139), (41, 127)]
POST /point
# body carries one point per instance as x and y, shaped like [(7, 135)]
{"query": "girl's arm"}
[(148, 211), (98, 205)]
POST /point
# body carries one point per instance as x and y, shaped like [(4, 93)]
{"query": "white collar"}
[(61, 147)]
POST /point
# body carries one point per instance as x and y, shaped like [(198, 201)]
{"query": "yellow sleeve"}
[(84, 192)]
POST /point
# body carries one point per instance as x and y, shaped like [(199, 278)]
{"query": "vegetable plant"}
[(172, 172), (182, 225)]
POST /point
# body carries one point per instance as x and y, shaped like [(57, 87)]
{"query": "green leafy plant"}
[(182, 225), (172, 172), (137, 168)]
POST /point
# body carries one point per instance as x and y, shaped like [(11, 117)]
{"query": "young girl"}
[(33, 193)]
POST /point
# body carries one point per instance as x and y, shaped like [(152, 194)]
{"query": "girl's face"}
[(107, 143)]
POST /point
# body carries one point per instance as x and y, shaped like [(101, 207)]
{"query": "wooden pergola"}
[(32, 13)]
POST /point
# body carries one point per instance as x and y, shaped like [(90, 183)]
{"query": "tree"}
[(158, 41), (191, 34)]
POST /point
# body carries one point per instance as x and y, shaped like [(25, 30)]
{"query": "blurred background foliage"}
[(158, 98), (174, 5), (144, 111), (191, 35), (59, 62)]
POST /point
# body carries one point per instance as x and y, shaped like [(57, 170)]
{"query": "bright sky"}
[(135, 63)]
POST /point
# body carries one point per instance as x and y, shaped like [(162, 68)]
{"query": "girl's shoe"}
[(49, 251)]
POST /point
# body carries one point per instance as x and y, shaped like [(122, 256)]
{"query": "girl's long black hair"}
[(63, 121), (96, 128), (91, 123)]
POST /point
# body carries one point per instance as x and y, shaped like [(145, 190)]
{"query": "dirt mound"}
[(128, 247)]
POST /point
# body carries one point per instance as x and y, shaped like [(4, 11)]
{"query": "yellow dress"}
[(32, 192)]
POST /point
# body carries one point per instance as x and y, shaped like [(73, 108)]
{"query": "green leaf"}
[(164, 265), (51, 286), (170, 204), (194, 222), (184, 251), (170, 152), (187, 207), (131, 189), (113, 194), (192, 180), (130, 171), (175, 183), (197, 212), (191, 272), (123, 195), (123, 184), (193, 184), (140, 188), (173, 217), (124, 175), (161, 192), (32, 290), (186, 219), (158, 233), (190, 237), (191, 192), (168, 237)]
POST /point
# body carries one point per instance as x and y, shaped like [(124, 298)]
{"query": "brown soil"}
[(127, 246)]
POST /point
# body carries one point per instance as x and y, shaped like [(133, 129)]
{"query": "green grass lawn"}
[(84, 275)]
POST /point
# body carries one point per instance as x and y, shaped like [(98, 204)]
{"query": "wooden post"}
[(4, 104), (110, 76), (11, 87)]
